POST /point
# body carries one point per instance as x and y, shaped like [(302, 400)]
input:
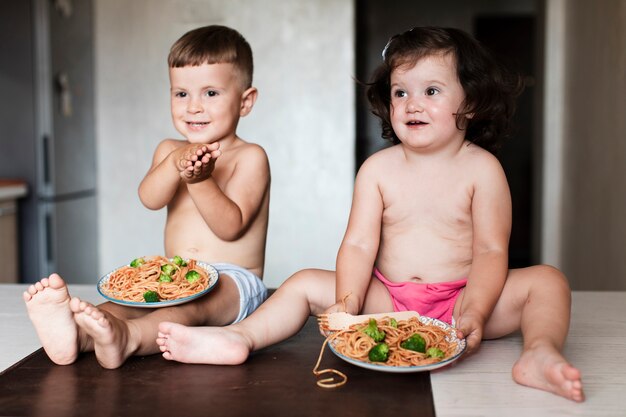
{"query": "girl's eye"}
[(399, 93), (431, 91), (180, 94), (211, 93)]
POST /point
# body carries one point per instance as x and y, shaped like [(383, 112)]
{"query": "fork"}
[(339, 321)]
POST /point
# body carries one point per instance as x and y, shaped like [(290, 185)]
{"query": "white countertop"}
[(478, 386), (10, 190)]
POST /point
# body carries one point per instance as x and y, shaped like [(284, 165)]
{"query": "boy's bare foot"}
[(110, 335), (47, 302), (208, 345), (546, 369)]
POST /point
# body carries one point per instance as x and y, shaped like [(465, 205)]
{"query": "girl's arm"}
[(161, 182), (230, 211), (357, 253), (491, 218)]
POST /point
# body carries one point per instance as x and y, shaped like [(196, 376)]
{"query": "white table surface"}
[(478, 386)]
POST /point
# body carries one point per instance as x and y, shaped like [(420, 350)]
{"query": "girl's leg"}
[(537, 300), (281, 316)]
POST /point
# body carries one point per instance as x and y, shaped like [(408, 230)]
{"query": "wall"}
[(594, 193), (304, 118)]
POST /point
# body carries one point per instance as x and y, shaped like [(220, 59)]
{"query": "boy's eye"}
[(431, 91), (211, 93), (180, 94)]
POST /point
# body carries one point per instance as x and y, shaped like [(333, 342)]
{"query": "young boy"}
[(216, 189), (429, 225)]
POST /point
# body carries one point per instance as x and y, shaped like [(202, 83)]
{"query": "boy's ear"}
[(248, 98)]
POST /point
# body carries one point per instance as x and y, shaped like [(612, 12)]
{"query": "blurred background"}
[(85, 100)]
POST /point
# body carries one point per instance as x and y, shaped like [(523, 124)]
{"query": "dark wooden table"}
[(276, 381)]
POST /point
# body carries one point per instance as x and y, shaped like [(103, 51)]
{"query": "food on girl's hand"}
[(155, 279)]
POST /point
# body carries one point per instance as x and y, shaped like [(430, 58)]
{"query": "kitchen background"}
[(85, 101)]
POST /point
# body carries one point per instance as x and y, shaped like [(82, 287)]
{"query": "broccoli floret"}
[(415, 343), (168, 269), (379, 353), (179, 261), (192, 276), (136, 263), (373, 331), (151, 296), (165, 278), (434, 352), (393, 323)]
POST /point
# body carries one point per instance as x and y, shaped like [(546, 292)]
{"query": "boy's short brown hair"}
[(213, 44)]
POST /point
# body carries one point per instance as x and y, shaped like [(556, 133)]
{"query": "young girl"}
[(429, 225)]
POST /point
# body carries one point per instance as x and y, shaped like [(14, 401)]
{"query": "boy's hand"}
[(196, 162)]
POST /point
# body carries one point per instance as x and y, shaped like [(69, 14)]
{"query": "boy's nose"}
[(194, 106)]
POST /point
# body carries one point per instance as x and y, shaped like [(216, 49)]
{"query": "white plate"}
[(460, 348), (213, 277)]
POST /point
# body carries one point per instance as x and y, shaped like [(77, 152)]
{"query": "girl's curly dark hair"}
[(490, 90)]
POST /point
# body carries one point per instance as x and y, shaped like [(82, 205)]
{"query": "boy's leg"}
[(281, 316), (119, 332), (48, 306), (537, 300), (308, 292)]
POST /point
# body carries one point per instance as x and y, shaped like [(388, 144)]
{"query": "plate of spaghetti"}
[(158, 281), (384, 344)]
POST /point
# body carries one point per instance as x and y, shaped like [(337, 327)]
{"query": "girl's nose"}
[(413, 106)]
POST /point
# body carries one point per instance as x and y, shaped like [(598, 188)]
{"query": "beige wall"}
[(594, 159), (304, 118)]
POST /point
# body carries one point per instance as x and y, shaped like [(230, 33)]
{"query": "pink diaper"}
[(432, 300)]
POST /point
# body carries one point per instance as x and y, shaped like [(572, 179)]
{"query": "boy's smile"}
[(205, 101), (424, 101)]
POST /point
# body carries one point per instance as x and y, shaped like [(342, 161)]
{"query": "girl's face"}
[(424, 101), (205, 101)]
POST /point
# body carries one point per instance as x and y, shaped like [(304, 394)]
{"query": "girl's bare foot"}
[(110, 335), (208, 345), (546, 369), (47, 303)]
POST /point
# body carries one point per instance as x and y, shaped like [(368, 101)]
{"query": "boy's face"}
[(206, 101), (424, 101)]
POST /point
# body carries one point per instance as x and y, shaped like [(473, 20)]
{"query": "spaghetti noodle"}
[(355, 343), (170, 280)]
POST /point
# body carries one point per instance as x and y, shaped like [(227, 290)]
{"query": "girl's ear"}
[(248, 98)]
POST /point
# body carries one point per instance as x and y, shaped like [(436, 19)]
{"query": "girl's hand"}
[(348, 305), (470, 327)]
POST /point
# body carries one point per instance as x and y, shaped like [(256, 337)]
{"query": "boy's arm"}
[(162, 180), (491, 219), (358, 250), (230, 211)]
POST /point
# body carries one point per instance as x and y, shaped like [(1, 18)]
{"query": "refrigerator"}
[(47, 134)]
